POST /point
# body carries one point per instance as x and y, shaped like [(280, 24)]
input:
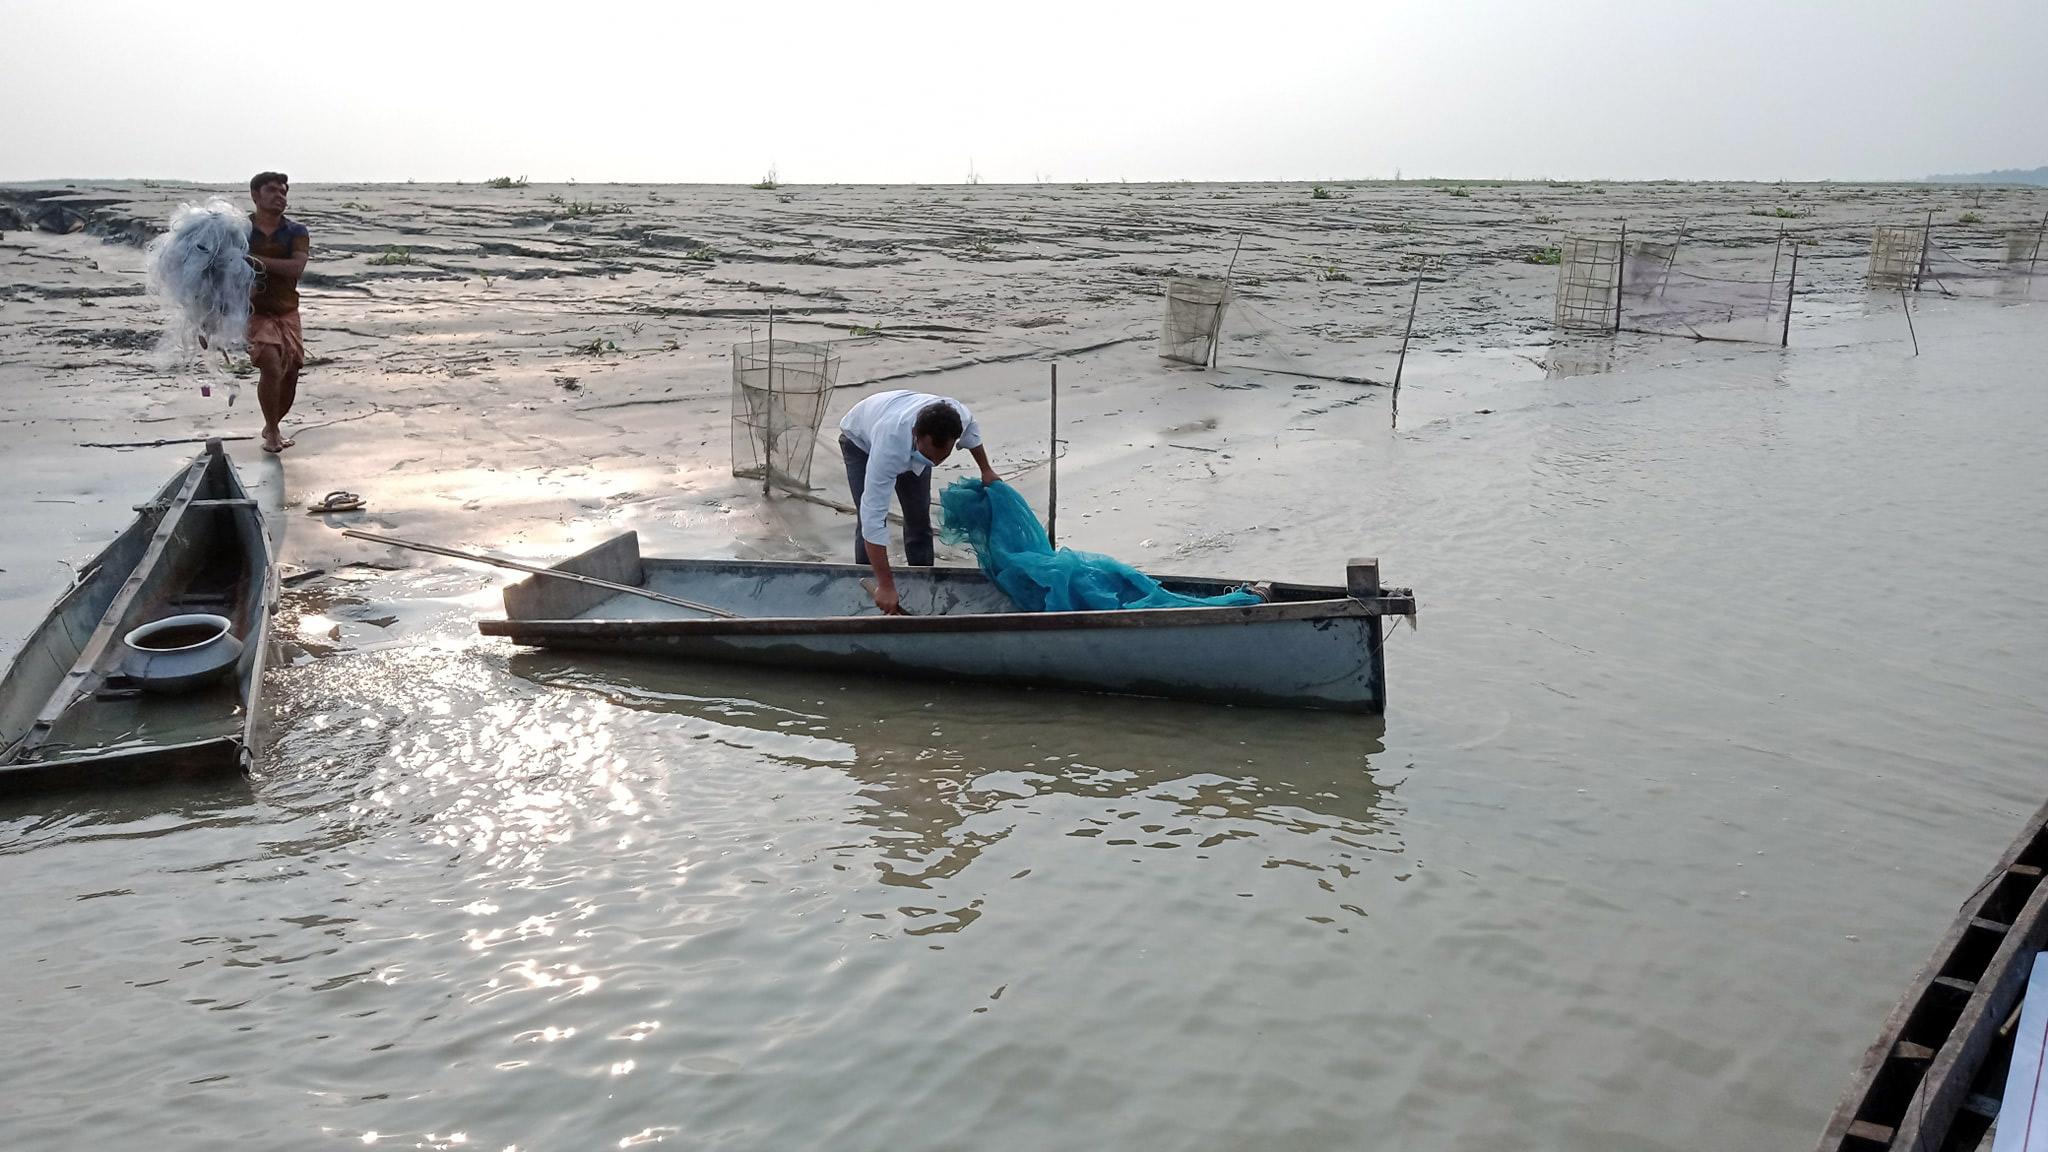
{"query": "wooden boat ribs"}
[(1934, 1078), (70, 713)]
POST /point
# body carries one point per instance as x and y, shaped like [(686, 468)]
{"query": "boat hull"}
[(1309, 647), (71, 715), (1285, 663), (1935, 1078)]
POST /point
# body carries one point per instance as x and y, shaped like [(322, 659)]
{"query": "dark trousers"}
[(913, 491)]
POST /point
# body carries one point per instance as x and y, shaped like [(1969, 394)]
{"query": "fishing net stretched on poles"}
[(1666, 288), (2010, 270), (1322, 320)]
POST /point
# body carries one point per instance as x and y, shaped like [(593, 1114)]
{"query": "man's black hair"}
[(938, 420), (257, 181)]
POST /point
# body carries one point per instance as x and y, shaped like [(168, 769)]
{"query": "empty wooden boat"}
[(1935, 1079), (1307, 646), (148, 667)]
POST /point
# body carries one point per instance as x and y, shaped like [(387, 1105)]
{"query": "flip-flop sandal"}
[(272, 451), (337, 501)]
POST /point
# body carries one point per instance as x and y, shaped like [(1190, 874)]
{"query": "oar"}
[(516, 566)]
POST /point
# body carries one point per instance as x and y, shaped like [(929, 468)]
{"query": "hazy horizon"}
[(1480, 90)]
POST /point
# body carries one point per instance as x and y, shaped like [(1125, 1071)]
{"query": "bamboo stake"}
[(1052, 463), (1777, 250), (1216, 329), (1791, 279), (554, 573), (1926, 242), (1413, 300), (1620, 273), (2039, 233), (768, 416), (1665, 279), (1906, 302)]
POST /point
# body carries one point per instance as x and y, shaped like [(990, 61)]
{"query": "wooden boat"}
[(1308, 646), (1935, 1079), (79, 706)]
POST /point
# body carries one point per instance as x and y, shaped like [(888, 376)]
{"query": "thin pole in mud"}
[(2039, 233), (1791, 279), (768, 413), (1926, 242), (1216, 329), (1052, 465), (1777, 251), (1673, 257), (1414, 299), (1906, 303), (1620, 272)]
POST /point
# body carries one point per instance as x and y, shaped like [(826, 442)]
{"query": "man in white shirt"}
[(891, 440)]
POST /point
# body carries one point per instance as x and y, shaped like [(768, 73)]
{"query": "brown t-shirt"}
[(275, 295)]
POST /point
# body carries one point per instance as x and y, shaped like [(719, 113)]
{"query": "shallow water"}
[(1726, 691)]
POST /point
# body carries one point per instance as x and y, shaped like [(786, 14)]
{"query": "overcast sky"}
[(883, 92)]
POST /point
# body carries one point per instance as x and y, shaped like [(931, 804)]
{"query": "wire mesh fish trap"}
[(1194, 316), (1898, 253), (780, 390), (1588, 277)]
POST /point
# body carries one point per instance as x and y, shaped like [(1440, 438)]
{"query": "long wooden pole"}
[(1906, 302), (1052, 464), (554, 573), (1664, 280), (2039, 234), (1926, 242), (1620, 273), (1777, 252), (1216, 329), (1791, 279), (1414, 299), (768, 417)]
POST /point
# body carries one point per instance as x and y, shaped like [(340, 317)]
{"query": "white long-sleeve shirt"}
[(881, 426)]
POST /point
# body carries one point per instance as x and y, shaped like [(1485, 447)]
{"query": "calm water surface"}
[(1727, 690)]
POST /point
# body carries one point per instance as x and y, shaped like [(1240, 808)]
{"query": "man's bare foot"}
[(273, 442)]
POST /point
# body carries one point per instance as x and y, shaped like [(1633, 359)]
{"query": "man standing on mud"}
[(890, 441), (278, 246)]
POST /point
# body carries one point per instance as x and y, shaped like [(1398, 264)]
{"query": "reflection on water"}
[(112, 815), (943, 772), (552, 903)]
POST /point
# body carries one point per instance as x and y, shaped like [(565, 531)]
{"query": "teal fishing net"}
[(1012, 549)]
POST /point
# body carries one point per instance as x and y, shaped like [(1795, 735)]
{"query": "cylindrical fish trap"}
[(1588, 277), (1898, 254), (1194, 317), (780, 390)]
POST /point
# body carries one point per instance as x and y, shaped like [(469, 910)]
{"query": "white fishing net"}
[(199, 271)]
